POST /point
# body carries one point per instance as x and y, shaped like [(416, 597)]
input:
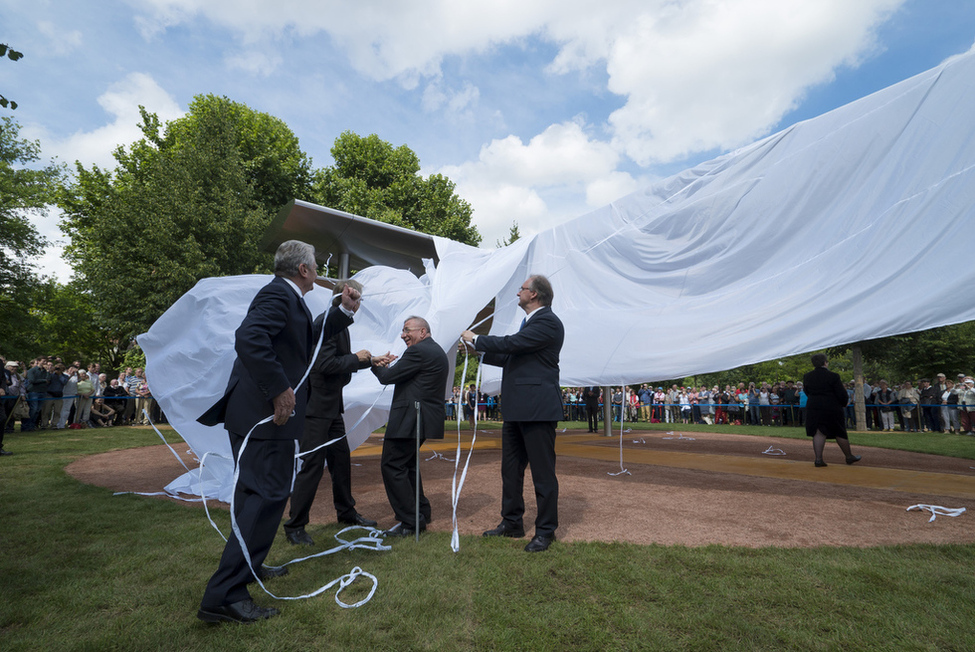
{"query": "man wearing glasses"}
[(531, 406), (420, 375)]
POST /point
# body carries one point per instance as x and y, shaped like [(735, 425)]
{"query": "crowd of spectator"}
[(48, 394), (938, 405)]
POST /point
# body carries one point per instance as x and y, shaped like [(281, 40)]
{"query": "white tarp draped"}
[(854, 225)]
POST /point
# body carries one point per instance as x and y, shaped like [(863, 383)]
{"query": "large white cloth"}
[(854, 225)]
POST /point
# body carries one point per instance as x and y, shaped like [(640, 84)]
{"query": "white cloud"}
[(692, 76), (720, 75), (121, 101), (51, 262), (59, 42), (507, 181), (257, 63), (456, 103), (696, 75)]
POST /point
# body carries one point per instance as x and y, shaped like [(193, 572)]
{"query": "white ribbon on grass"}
[(937, 510), (371, 542)]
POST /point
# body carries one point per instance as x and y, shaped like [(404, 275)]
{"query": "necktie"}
[(523, 323)]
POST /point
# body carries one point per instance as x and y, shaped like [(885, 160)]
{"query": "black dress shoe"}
[(298, 537), (358, 519), (853, 459), (820, 463), (266, 572), (539, 543), (505, 530), (243, 612), (403, 530)]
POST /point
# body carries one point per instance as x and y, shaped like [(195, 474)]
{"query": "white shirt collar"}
[(294, 286), (529, 315)]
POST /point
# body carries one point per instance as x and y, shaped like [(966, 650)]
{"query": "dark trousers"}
[(592, 413), (932, 417), (524, 443), (399, 462), (337, 457), (263, 486)]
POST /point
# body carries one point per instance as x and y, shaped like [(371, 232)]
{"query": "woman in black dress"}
[(825, 418)]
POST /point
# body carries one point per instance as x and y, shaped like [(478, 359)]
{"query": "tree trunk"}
[(860, 408)]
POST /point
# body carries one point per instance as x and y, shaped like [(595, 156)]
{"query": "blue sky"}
[(539, 110)]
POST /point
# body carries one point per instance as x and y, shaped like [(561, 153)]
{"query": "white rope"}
[(455, 487), (773, 451), (622, 419), (371, 542), (937, 510), (679, 436)]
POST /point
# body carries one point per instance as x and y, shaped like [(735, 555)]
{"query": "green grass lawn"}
[(82, 569)]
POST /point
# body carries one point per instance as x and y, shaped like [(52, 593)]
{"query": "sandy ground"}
[(708, 488)]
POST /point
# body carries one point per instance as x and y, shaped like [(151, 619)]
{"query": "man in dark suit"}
[(273, 345), (592, 407), (419, 375), (531, 405), (331, 372)]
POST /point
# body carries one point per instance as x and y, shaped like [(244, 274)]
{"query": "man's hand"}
[(383, 360), (468, 336), (351, 298), (363, 355), (284, 405)]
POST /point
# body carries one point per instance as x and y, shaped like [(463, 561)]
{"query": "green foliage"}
[(946, 349), (134, 357), (13, 55), (68, 325), (513, 234), (373, 179), (473, 361), (24, 190), (188, 201)]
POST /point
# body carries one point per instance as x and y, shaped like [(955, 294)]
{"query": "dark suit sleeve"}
[(266, 318), (335, 322), (405, 368), (329, 362), (537, 334)]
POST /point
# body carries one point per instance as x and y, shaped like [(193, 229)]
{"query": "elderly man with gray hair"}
[(273, 344)]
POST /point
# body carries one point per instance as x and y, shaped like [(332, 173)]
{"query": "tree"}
[(185, 202), (513, 234), (13, 55), (68, 326), (23, 191), (373, 179)]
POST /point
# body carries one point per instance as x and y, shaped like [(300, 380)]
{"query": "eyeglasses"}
[(410, 330), (524, 289)]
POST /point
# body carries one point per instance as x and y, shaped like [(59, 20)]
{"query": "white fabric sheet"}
[(854, 225)]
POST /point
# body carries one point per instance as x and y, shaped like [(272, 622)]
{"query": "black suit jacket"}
[(419, 375), (530, 358), (273, 344), (332, 370), (824, 390)]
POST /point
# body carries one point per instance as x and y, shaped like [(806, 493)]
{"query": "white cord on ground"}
[(937, 510)]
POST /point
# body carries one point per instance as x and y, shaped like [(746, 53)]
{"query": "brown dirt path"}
[(712, 489)]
